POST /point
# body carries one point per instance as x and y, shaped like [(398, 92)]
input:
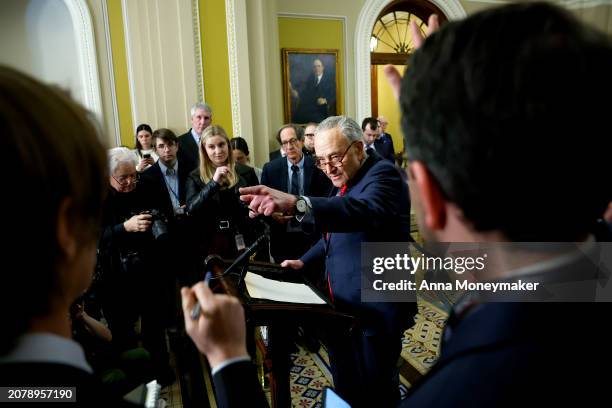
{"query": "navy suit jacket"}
[(385, 149), (276, 176), (188, 152), (375, 208), (518, 354), (156, 191)]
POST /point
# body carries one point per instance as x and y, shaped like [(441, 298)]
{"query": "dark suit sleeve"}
[(236, 386), (375, 206), (265, 174), (314, 254)]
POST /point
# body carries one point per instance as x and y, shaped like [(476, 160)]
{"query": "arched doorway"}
[(54, 42), (391, 43), (371, 10)]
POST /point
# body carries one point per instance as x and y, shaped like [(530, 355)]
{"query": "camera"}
[(159, 223)]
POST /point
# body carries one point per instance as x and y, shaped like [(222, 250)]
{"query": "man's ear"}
[(431, 198), (66, 234)]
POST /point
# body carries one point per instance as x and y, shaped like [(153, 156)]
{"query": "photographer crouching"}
[(130, 283)]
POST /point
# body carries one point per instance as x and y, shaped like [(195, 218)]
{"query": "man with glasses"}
[(295, 174), (201, 118), (309, 133), (370, 204)]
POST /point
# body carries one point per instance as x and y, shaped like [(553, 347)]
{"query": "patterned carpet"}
[(420, 345)]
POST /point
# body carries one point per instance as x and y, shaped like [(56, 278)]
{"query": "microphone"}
[(208, 262)]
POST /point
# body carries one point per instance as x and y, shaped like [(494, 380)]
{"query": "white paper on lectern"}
[(263, 288)]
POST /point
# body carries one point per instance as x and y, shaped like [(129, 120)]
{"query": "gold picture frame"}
[(310, 84)]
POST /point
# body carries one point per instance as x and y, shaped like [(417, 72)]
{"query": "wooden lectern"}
[(281, 318)]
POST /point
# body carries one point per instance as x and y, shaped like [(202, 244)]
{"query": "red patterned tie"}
[(331, 292)]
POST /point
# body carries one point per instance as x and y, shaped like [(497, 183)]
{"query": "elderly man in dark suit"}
[(503, 354), (371, 204), (188, 153), (295, 174)]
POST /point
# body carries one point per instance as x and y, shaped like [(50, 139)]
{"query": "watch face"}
[(301, 205)]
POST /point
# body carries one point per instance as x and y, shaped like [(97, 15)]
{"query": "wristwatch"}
[(302, 206)]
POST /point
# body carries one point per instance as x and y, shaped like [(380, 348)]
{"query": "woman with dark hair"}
[(240, 151), (145, 149), (224, 227)]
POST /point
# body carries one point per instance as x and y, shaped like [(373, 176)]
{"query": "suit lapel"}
[(284, 178), (308, 170), (163, 188)]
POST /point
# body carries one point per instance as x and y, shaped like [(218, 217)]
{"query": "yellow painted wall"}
[(315, 33), (215, 62), (389, 108), (122, 89)]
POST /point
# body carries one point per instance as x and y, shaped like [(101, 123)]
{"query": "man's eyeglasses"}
[(291, 142), (334, 160), (309, 134), (125, 180)]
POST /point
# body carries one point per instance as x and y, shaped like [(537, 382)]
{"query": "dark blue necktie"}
[(295, 181)]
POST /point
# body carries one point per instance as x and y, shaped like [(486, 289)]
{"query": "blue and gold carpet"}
[(310, 371)]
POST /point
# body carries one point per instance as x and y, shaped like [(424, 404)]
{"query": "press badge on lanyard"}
[(239, 242)]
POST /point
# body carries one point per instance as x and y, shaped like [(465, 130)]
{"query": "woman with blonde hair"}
[(223, 225)]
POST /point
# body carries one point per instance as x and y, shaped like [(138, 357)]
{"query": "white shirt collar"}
[(47, 348)]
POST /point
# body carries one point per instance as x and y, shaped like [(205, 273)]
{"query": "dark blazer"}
[(156, 190), (236, 386), (308, 110), (276, 176), (316, 184), (375, 208), (188, 152), (518, 354), (385, 149), (90, 392)]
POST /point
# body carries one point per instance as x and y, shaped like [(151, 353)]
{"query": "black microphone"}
[(245, 255), (214, 259)]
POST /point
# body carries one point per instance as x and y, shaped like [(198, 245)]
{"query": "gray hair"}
[(348, 127), (204, 106), (119, 155)]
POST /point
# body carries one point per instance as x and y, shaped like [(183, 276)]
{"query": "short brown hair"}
[(53, 153), (166, 135)]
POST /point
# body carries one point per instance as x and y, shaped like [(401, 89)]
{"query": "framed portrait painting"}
[(310, 84)]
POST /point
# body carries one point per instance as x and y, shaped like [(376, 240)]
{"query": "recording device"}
[(159, 223), (146, 156)]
